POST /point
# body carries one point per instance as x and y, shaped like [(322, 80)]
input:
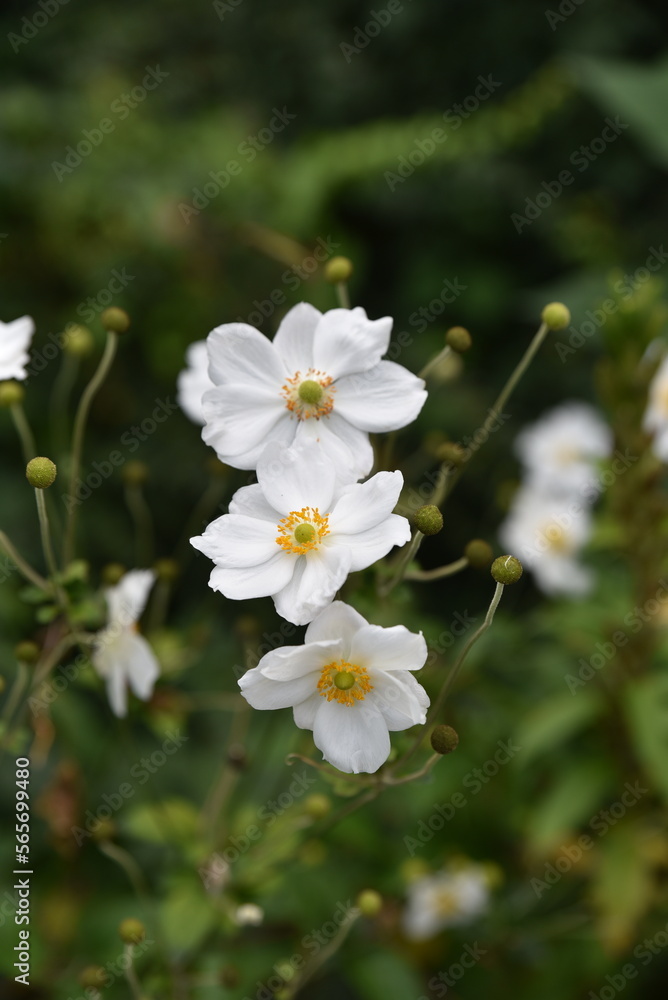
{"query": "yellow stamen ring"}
[(344, 682), (309, 395), (302, 530)]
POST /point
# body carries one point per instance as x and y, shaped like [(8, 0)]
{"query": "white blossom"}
[(15, 340)]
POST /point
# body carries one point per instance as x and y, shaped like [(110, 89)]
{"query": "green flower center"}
[(304, 533), (310, 392), (344, 680)]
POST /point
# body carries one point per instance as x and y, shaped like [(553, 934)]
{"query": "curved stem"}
[(78, 434), (519, 371), (48, 548), (23, 430), (435, 361), (28, 572), (404, 560), (143, 522), (438, 574)]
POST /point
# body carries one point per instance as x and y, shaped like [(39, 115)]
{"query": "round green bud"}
[(451, 453), (304, 533), (78, 340), (344, 680), (479, 553), (369, 903), (506, 569), (93, 977), (115, 320), (112, 573), (167, 570), (11, 393), (310, 391), (41, 473), (131, 931), (458, 338), (134, 473), (27, 652), (444, 739), (338, 269), (556, 316), (317, 806), (104, 829), (428, 519)]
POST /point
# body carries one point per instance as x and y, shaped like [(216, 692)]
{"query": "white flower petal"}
[(317, 577), (297, 477), (346, 341), (264, 580), (384, 398), (392, 648), (353, 738), (194, 381), (141, 665), (117, 691), (347, 448), (265, 693), (15, 340), (361, 506), (241, 419), (241, 355), (369, 546), (304, 714), (127, 600), (250, 500), (401, 700), (289, 662), (294, 337), (338, 621), (236, 540)]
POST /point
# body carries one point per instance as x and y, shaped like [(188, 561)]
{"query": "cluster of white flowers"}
[(453, 897), (549, 521), (298, 410), (15, 340), (655, 420)]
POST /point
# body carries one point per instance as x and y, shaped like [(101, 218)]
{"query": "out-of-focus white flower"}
[(15, 340), (547, 533), (194, 381), (560, 450), (249, 915), (655, 420), (321, 379), (449, 898), (297, 534), (121, 655), (351, 683)]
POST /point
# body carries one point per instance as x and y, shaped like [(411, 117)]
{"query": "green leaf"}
[(174, 821), (646, 702), (571, 801), (187, 916), (384, 974), (623, 885), (555, 721)]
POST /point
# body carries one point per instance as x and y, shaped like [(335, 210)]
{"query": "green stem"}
[(519, 371), (22, 565), (48, 548), (23, 430), (78, 435), (292, 987), (438, 574), (130, 973), (342, 294), (143, 522), (435, 361), (60, 397), (18, 687), (405, 558)]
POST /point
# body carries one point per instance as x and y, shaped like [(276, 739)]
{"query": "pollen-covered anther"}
[(344, 682), (302, 530), (309, 395)]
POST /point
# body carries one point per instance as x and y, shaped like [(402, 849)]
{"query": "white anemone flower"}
[(450, 898), (193, 381), (351, 683), (15, 340), (321, 379), (546, 533), (298, 532), (560, 449), (121, 656), (655, 420)]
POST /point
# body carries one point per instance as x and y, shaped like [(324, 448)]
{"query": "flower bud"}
[(428, 519), (131, 931), (444, 739), (41, 473), (27, 652), (11, 393), (458, 338), (452, 453), (78, 340), (338, 269), (506, 569), (369, 902), (93, 977), (317, 806), (115, 320), (112, 573), (479, 553), (134, 473), (556, 316), (166, 570)]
